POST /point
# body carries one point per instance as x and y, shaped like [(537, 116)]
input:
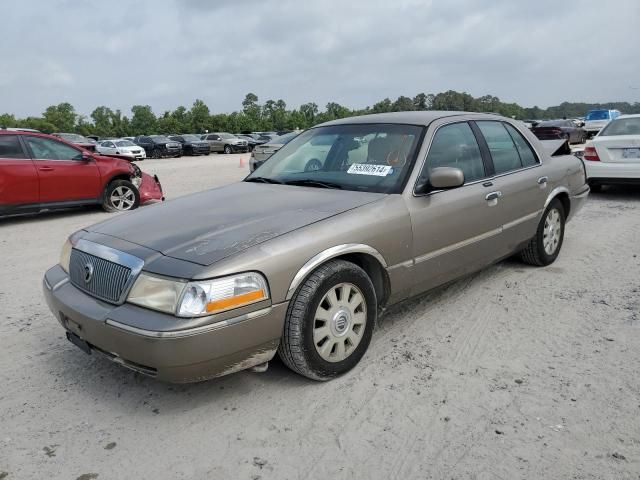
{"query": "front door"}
[(18, 177), (455, 231), (62, 173)]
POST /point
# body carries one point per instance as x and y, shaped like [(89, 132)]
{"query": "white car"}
[(613, 156), (121, 146), (596, 120)]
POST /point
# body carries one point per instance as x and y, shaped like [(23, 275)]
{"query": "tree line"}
[(273, 115)]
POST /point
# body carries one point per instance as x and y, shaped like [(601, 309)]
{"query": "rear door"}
[(455, 231), (18, 176), (63, 175), (519, 179)]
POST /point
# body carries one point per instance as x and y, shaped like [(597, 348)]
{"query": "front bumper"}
[(239, 148), (150, 189), (180, 356)]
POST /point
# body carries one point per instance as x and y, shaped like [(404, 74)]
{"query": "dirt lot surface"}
[(514, 372)]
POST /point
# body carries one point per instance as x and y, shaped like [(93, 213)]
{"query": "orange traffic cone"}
[(241, 164)]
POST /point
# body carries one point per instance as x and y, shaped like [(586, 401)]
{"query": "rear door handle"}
[(46, 169), (543, 180), (493, 196)]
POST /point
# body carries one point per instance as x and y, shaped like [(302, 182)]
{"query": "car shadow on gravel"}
[(617, 192), (49, 215)]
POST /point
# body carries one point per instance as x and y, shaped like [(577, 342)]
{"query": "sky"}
[(167, 53)]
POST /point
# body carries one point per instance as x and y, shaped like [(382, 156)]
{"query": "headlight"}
[(65, 255), (198, 298)]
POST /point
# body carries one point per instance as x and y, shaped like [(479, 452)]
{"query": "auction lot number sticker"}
[(370, 169)]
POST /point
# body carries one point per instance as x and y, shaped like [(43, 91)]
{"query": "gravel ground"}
[(514, 372)]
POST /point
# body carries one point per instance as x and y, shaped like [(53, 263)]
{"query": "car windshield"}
[(191, 138), (159, 139), (226, 135), (284, 139), (73, 137), (622, 126), (125, 143), (367, 157), (597, 115)]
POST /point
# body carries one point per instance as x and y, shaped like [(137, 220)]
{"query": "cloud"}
[(170, 52)]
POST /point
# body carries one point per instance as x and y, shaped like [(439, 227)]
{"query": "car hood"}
[(206, 227)]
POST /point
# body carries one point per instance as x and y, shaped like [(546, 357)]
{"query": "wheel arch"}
[(117, 176), (562, 194), (365, 256)]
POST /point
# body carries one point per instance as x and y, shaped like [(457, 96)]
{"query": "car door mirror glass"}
[(86, 157)]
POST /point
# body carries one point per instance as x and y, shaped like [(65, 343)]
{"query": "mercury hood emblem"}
[(88, 272)]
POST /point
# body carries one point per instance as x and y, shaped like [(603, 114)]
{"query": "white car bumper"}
[(613, 170)]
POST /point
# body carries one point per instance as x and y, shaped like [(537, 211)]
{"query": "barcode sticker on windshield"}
[(369, 169)]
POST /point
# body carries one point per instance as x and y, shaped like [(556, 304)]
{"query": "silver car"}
[(300, 262), (121, 147), (226, 143)]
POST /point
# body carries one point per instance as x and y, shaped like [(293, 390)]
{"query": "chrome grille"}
[(106, 280)]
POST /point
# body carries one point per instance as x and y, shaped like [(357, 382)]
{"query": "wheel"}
[(329, 321), (227, 149), (567, 137), (313, 165), (545, 246), (120, 196), (156, 153)]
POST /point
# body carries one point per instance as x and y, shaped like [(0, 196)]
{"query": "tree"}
[(200, 116), (403, 104), (62, 116), (422, 101), (308, 112), (103, 121), (8, 120), (252, 109), (383, 106), (143, 121)]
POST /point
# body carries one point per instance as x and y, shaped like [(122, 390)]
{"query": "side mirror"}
[(86, 157), (441, 178)]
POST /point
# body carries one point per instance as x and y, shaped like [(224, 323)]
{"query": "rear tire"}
[(121, 196), (545, 246), (329, 321)]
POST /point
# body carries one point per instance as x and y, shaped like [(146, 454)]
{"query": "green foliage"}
[(274, 115)]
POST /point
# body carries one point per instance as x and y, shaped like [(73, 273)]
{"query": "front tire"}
[(227, 149), (156, 153), (121, 196), (545, 246), (329, 321)]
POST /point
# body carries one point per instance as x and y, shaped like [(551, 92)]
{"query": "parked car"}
[(121, 147), (595, 120), (226, 143), (560, 129), (262, 152), (43, 172), (158, 146), (81, 141), (191, 144), (613, 156), (304, 261), (252, 140)]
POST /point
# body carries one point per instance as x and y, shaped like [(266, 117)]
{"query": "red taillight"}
[(591, 154)]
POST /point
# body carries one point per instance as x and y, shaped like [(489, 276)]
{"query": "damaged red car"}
[(42, 172)]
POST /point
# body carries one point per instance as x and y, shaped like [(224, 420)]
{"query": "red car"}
[(42, 172)]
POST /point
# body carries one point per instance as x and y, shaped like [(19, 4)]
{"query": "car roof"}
[(411, 118)]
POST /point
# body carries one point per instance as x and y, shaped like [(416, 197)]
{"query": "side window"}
[(109, 144), (503, 151), (47, 149), (527, 156), (455, 146), (10, 147)]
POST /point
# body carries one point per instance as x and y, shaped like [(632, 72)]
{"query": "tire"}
[(545, 246), (227, 149), (121, 196), (155, 153), (346, 333)]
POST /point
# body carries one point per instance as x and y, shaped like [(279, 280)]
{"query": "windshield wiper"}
[(263, 180), (307, 182)]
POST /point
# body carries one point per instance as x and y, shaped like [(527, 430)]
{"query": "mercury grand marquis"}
[(301, 257)]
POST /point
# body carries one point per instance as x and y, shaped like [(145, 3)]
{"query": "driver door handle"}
[(46, 169), (493, 196)]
